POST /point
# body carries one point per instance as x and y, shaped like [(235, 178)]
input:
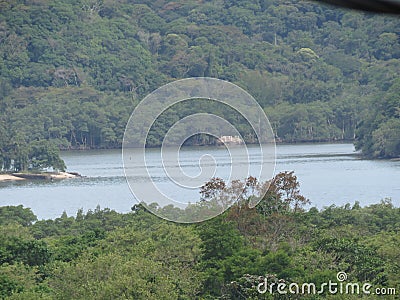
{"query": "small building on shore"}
[(230, 140)]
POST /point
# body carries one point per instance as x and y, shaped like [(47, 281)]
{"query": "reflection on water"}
[(328, 174)]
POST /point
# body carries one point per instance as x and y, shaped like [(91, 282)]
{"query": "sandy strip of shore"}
[(63, 175), (8, 177), (60, 175)]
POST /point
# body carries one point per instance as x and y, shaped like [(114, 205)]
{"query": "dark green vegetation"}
[(72, 71), (103, 254), (37, 155)]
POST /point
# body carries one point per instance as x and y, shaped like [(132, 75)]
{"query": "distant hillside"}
[(72, 71)]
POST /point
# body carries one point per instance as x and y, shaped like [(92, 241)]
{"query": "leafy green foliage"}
[(17, 214), (379, 132), (18, 246), (35, 155), (360, 260), (144, 264)]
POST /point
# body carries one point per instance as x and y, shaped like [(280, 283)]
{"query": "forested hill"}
[(72, 71)]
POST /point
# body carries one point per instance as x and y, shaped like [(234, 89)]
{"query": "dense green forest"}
[(103, 254), (71, 72)]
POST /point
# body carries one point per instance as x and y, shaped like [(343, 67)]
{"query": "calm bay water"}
[(328, 174)]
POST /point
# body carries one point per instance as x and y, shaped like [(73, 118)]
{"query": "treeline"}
[(102, 254), (379, 130), (74, 71), (35, 156)]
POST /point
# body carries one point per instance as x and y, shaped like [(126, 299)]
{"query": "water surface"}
[(328, 174)]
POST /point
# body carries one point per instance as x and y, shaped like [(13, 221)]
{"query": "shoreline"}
[(9, 177), (37, 176), (277, 142)]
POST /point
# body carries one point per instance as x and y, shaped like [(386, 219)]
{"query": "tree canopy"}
[(72, 72)]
